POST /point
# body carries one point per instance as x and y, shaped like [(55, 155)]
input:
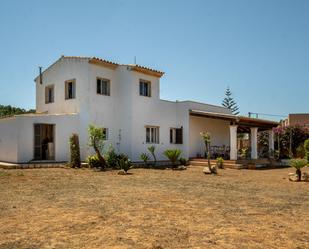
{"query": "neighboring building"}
[(301, 119), (124, 99)]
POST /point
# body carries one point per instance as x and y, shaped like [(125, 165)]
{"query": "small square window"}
[(152, 134), (176, 135), (103, 86), (145, 88), (49, 94), (70, 89)]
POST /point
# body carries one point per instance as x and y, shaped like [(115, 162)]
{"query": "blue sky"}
[(258, 48)]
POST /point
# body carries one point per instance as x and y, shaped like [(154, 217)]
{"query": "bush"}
[(75, 151), (173, 155), (145, 158), (306, 147), (183, 161), (112, 158), (300, 151), (220, 162), (124, 164), (93, 161), (298, 164)]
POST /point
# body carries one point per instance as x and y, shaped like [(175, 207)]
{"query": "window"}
[(49, 94), (145, 88), (103, 86), (105, 133), (176, 135), (152, 134), (70, 89)]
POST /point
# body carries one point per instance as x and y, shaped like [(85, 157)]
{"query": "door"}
[(44, 142)]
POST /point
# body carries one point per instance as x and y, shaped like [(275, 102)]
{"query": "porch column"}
[(233, 142), (253, 138), (271, 143)]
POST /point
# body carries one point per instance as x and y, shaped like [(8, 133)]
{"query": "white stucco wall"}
[(8, 140), (219, 133), (17, 136)]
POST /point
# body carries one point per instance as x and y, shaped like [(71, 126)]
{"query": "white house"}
[(124, 99)]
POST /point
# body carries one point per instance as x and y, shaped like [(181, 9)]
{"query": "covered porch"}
[(235, 137)]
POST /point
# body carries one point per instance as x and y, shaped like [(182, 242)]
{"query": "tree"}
[(75, 151), (7, 110), (206, 138), (96, 140), (229, 102)]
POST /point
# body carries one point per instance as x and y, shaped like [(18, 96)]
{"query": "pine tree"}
[(229, 102)]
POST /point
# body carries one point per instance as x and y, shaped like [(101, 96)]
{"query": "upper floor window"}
[(70, 89), (145, 88), (152, 134), (176, 135), (49, 94), (105, 133), (103, 86)]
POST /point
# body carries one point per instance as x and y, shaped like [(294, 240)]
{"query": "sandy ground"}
[(68, 208)]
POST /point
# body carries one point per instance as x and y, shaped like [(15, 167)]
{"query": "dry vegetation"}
[(67, 208)]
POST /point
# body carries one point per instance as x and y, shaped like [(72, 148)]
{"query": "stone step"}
[(232, 165)]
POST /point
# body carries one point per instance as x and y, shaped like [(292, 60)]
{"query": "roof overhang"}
[(243, 122), (146, 70), (104, 63), (214, 115)]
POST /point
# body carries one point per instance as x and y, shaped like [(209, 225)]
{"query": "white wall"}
[(219, 133), (64, 69), (8, 140), (17, 136)]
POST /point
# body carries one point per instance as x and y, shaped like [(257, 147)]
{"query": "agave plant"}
[(298, 164), (152, 149), (145, 158), (173, 155), (124, 164)]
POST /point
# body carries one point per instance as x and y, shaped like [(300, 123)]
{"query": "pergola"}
[(243, 125)]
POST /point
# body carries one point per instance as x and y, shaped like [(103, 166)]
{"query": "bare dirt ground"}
[(67, 208)]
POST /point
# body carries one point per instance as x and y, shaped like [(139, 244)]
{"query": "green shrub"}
[(298, 164), (96, 141), (152, 150), (75, 151), (183, 161), (93, 161), (173, 155), (220, 162), (306, 147), (145, 158), (124, 164), (111, 158), (300, 151)]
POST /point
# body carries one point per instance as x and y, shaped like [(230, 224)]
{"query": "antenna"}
[(41, 76), (135, 60)]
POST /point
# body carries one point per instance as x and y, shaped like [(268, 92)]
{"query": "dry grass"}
[(67, 208)]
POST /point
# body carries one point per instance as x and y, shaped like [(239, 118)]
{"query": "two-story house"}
[(74, 92)]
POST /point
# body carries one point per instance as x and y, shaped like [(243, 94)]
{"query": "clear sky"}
[(259, 48)]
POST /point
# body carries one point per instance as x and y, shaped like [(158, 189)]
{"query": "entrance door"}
[(44, 145)]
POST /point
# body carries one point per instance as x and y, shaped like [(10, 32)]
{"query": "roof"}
[(146, 70), (237, 120), (110, 64), (215, 115)]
